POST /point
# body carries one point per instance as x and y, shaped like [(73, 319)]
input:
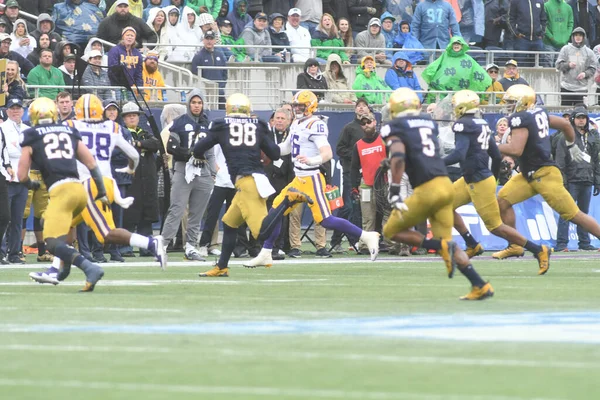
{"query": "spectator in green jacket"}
[(205, 6), (326, 35), (558, 28), (237, 54), (367, 79), (46, 74)]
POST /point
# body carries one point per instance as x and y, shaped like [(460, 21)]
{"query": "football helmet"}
[(465, 102), (519, 98), (304, 103), (89, 108), (43, 111), (238, 104), (404, 101)]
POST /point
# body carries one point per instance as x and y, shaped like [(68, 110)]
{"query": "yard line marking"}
[(112, 309), (294, 355), (255, 391)]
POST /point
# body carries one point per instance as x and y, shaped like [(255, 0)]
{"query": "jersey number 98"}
[(242, 134), (58, 146)]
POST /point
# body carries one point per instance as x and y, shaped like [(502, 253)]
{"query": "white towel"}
[(263, 185), (191, 171)]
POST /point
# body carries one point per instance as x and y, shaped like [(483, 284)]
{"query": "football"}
[(264, 159)]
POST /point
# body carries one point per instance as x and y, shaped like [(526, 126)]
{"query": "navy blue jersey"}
[(419, 135), (474, 145), (241, 139), (538, 148), (54, 151), (184, 133)]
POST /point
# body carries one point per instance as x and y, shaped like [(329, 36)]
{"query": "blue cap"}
[(14, 101)]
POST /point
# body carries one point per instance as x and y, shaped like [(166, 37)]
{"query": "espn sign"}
[(371, 150)]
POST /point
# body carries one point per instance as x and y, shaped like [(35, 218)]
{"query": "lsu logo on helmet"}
[(89, 108)]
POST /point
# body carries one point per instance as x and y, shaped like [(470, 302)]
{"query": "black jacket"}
[(527, 18), (111, 28), (279, 38), (580, 172), (359, 17), (351, 133), (284, 174), (314, 84), (144, 187)]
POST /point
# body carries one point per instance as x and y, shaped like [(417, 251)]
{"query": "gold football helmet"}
[(238, 104), (519, 98), (89, 108), (404, 101), (465, 102), (304, 103), (43, 111)]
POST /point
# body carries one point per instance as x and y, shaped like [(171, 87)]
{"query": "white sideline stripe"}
[(157, 282), (255, 391), (290, 356)]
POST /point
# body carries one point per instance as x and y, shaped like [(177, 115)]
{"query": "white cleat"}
[(263, 259), (48, 276), (203, 251), (161, 252), (371, 240)]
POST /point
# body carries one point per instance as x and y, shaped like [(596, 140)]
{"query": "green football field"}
[(340, 328)]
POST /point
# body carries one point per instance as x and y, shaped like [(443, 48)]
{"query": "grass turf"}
[(297, 331)]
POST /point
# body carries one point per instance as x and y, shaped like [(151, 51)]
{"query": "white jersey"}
[(307, 136), (101, 138)]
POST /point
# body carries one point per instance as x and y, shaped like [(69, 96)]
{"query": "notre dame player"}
[(411, 138), (474, 146), (55, 148), (529, 126), (242, 138)]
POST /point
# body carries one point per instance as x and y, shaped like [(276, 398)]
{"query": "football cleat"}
[(215, 272), (48, 276), (159, 251), (447, 253), (543, 258), (91, 280), (513, 250), (263, 259), (479, 293), (474, 251), (192, 255), (371, 240), (296, 196)]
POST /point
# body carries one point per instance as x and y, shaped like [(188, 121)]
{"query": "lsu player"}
[(101, 137), (411, 139), (309, 146), (55, 148), (474, 146), (539, 174), (242, 138)]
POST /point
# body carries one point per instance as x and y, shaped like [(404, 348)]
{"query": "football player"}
[(529, 127), (101, 137), (55, 148), (474, 146), (308, 144), (411, 139), (242, 138)]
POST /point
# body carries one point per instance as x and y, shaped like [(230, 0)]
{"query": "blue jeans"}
[(273, 59), (582, 194), (17, 198), (523, 44), (549, 59), (311, 26)]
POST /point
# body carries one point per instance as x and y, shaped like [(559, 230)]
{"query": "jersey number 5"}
[(53, 141), (427, 142), (242, 134)]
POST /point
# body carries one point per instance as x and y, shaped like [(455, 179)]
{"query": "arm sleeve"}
[(174, 148), (460, 150), (561, 155), (452, 22), (355, 168), (415, 26), (128, 149), (342, 148), (151, 143), (204, 144), (271, 149), (493, 151), (212, 161), (285, 147)]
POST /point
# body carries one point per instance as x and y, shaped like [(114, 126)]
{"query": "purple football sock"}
[(342, 225), (268, 244)]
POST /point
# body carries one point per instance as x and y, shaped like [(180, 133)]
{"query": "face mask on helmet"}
[(299, 110)]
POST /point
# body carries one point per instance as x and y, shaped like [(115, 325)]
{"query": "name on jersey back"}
[(420, 123), (234, 120), (43, 130)]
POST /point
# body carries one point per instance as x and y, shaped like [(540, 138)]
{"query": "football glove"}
[(576, 154), (32, 185), (198, 162), (395, 199)]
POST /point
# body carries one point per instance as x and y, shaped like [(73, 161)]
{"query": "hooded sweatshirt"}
[(213, 6), (340, 82), (184, 134), (54, 37), (560, 23), (238, 20), (132, 59), (368, 40), (455, 71), (254, 37), (396, 77), (315, 83), (16, 45), (369, 80), (88, 48), (585, 62), (408, 41), (162, 34)]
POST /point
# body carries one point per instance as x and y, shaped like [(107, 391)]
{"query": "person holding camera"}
[(579, 176)]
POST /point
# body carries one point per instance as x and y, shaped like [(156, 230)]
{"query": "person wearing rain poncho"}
[(406, 40), (455, 70), (367, 79)]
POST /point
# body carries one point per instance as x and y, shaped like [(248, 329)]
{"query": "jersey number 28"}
[(242, 134), (58, 146)]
